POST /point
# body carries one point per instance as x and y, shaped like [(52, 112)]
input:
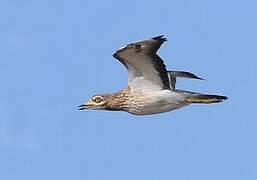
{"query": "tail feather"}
[(205, 98)]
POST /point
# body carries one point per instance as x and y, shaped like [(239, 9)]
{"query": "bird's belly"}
[(158, 108), (161, 102)]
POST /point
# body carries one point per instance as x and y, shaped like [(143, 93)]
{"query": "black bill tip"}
[(81, 107)]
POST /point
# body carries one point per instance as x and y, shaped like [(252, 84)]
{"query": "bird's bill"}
[(86, 106)]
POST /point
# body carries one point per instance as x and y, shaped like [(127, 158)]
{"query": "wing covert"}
[(146, 70)]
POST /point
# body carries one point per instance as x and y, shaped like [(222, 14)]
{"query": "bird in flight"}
[(151, 88)]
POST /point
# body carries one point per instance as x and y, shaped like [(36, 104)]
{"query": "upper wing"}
[(146, 70)]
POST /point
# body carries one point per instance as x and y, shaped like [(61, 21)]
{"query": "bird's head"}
[(96, 102)]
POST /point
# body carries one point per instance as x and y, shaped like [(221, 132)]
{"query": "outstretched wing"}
[(182, 74), (146, 70)]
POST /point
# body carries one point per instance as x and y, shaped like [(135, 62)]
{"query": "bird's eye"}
[(97, 99)]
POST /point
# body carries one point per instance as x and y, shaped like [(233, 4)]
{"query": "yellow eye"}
[(97, 99)]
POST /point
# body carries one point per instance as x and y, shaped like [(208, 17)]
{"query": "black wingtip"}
[(193, 76), (160, 38), (115, 55), (185, 74), (196, 77)]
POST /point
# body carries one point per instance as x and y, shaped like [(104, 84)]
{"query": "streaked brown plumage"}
[(151, 88)]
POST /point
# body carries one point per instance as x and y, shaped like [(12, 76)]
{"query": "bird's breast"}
[(156, 102)]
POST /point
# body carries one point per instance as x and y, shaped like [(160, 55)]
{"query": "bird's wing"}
[(183, 74), (146, 70)]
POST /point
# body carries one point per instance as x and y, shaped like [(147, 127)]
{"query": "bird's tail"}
[(205, 98)]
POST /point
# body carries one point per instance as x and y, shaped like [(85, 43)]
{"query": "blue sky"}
[(57, 54)]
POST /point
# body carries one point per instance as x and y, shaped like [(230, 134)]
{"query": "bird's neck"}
[(119, 101)]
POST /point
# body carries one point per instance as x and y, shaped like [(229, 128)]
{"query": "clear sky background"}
[(55, 54)]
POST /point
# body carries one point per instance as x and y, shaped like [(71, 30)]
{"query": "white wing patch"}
[(146, 71), (142, 74)]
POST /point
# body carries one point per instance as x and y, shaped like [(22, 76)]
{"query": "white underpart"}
[(152, 102)]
